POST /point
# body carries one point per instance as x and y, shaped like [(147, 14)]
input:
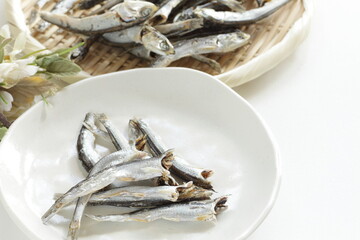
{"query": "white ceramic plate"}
[(199, 116)]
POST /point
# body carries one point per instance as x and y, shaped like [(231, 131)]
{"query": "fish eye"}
[(163, 45)]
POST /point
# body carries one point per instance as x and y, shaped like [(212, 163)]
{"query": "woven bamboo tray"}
[(287, 28)]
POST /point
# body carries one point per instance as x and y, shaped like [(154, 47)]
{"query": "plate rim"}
[(276, 187)]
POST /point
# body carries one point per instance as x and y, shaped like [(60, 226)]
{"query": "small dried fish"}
[(86, 144), (220, 43), (180, 167), (121, 16), (191, 211), (136, 170), (151, 39), (140, 196), (246, 17), (61, 7)]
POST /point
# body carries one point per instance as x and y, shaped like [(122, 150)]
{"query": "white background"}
[(312, 104)]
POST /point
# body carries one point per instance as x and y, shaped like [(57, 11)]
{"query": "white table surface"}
[(312, 104)]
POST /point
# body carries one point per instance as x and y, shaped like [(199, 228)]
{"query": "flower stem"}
[(4, 121)]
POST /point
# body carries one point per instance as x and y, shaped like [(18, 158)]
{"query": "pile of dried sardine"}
[(161, 31), (177, 191)]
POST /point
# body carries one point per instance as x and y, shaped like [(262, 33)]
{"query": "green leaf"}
[(63, 66), (33, 53), (46, 61), (3, 130), (2, 55), (58, 65)]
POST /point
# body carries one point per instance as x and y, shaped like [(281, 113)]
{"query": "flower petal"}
[(5, 31), (6, 100)]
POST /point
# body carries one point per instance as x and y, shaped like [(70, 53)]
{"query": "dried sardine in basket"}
[(272, 40)]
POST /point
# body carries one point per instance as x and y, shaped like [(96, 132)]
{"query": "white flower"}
[(19, 46), (5, 31), (12, 72), (6, 100)]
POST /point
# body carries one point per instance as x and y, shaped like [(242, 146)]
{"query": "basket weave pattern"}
[(105, 59)]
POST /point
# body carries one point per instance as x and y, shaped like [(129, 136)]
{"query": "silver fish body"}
[(236, 18), (86, 144), (220, 43), (136, 170), (191, 211), (151, 39), (121, 16), (61, 7), (139, 196)]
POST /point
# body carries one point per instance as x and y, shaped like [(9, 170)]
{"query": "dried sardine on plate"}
[(42, 159)]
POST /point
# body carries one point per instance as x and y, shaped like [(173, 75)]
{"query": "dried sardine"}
[(246, 17), (220, 43), (86, 144), (191, 211), (121, 16), (151, 39), (136, 170), (140, 196)]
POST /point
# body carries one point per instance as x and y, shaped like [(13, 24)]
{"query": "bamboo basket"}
[(272, 40)]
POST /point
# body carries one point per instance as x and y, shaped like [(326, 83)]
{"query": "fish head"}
[(156, 42), (232, 41), (167, 158), (219, 204), (130, 10)]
